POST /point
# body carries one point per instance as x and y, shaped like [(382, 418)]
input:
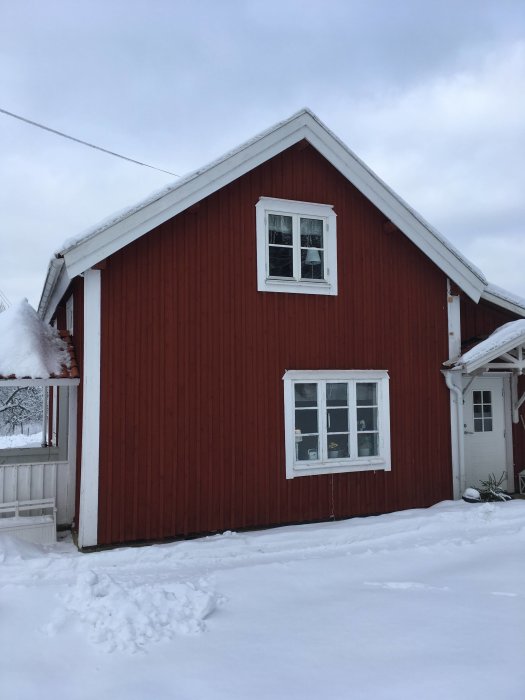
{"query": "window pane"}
[(312, 264), (486, 397), (487, 425), (487, 411), (477, 411), (366, 419), (280, 229), (366, 394), (367, 445), (337, 394), (337, 446), (477, 396), (337, 420), (21, 417), (305, 395), (280, 261), (311, 233), (478, 425), (307, 449), (306, 420)]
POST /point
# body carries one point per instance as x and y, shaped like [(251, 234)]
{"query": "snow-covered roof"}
[(504, 340), (30, 348), (98, 242), (507, 300)]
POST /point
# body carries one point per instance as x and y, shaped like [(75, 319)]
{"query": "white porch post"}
[(71, 453), (454, 324), (454, 383), (89, 475)]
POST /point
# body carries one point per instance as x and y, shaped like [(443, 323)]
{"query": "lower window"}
[(336, 421)]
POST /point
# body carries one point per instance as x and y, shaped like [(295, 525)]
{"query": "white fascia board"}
[(93, 250), (398, 212), (304, 125), (506, 304), (60, 286), (54, 279)]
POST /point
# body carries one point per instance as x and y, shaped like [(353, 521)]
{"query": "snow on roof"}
[(502, 340), (30, 348), (121, 215), (502, 297)]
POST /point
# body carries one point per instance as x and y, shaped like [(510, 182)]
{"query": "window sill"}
[(28, 455), (337, 466), (296, 287)]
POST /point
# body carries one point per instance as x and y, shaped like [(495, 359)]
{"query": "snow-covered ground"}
[(421, 604), (8, 442)]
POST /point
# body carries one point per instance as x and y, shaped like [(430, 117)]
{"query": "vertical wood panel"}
[(192, 414)]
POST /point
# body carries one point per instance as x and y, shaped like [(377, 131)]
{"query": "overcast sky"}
[(431, 95)]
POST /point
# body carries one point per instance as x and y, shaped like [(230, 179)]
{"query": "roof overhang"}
[(505, 300), (504, 350), (55, 286), (122, 229)]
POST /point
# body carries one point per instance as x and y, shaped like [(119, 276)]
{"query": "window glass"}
[(22, 417), (306, 422), (280, 230), (366, 394), (336, 425), (367, 444), (280, 261), (482, 411)]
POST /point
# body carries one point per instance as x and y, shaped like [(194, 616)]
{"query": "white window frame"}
[(323, 465), (288, 207), (69, 314)]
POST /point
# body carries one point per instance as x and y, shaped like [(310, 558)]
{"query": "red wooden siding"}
[(479, 320), (192, 425)]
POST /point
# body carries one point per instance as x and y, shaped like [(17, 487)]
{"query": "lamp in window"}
[(312, 257)]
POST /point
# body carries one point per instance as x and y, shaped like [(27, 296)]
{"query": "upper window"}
[(296, 247), (336, 421)]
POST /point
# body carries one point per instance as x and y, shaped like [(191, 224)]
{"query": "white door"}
[(484, 430)]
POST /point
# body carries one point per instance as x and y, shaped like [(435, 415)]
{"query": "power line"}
[(84, 143)]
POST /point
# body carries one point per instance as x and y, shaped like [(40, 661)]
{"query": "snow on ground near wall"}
[(423, 604), (28, 346)]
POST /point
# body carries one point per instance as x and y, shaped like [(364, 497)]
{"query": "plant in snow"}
[(491, 489)]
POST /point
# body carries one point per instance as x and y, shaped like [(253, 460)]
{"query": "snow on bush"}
[(28, 346), (128, 617)]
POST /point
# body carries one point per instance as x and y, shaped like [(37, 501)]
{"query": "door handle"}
[(468, 432)]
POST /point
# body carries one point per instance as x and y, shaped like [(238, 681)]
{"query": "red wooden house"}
[(264, 342)]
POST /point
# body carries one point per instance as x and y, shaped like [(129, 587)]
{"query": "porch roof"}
[(503, 350), (32, 352)]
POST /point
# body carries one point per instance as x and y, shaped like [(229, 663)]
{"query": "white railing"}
[(30, 482)]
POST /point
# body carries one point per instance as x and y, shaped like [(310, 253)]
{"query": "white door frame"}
[(507, 417)]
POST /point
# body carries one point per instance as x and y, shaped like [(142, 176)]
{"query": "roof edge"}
[(499, 297), (128, 225)]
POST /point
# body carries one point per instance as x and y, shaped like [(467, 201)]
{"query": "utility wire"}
[(84, 143)]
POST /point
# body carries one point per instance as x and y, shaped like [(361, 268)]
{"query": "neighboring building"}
[(264, 343)]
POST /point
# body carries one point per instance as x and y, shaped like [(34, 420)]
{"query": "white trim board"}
[(124, 228), (89, 472)]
